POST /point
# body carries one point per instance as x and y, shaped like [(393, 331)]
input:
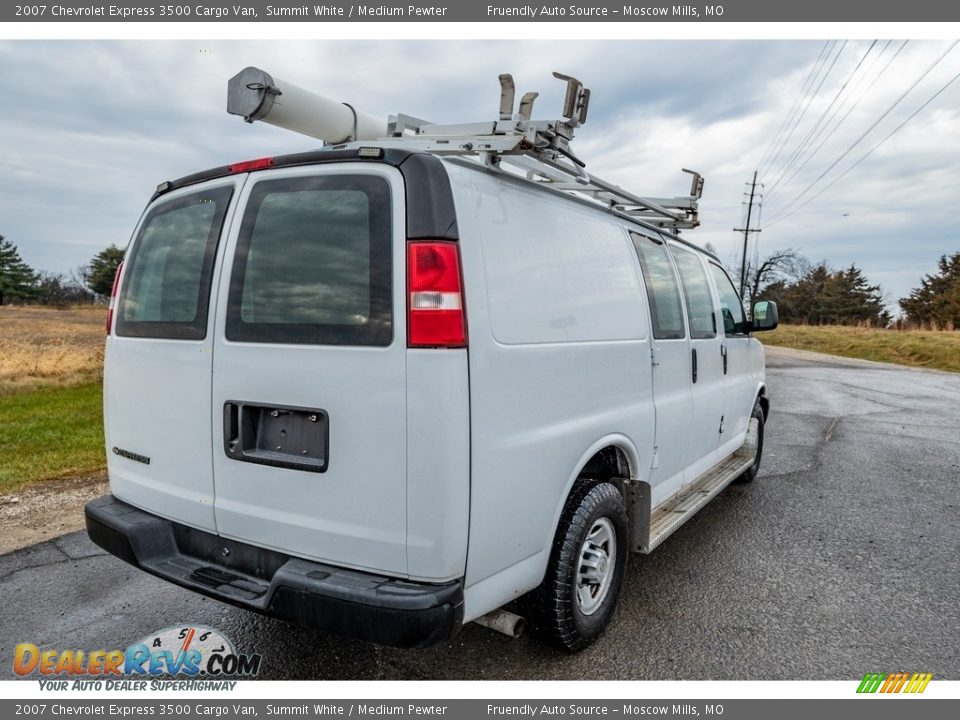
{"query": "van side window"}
[(734, 321), (166, 290), (662, 291), (313, 263), (696, 290)]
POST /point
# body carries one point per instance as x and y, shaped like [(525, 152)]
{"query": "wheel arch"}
[(764, 401), (634, 488)]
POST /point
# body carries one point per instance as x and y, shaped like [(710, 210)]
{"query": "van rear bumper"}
[(356, 604)]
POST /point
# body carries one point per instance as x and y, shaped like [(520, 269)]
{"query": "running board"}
[(665, 520)]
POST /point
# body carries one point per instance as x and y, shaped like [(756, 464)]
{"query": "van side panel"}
[(559, 358), (438, 463)]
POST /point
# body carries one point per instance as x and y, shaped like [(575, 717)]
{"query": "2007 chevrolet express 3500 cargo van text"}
[(386, 387)]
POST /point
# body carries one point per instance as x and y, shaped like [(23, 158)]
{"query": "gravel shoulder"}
[(46, 510)]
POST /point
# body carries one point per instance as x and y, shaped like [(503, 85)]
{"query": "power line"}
[(829, 131), (867, 132), (796, 101), (807, 140), (810, 98), (866, 154)]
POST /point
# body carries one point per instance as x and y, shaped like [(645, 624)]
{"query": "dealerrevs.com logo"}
[(188, 651), (899, 682)]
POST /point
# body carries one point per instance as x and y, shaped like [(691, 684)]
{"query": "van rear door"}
[(309, 372), (158, 358)]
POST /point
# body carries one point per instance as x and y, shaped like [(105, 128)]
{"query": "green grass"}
[(52, 433), (939, 350)]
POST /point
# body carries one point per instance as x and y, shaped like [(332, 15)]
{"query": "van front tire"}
[(575, 602), (750, 474)]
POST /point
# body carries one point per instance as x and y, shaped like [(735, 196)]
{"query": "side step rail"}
[(667, 518)]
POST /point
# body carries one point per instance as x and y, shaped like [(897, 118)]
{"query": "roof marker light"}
[(249, 165)]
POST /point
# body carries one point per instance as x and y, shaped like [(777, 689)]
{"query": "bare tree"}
[(785, 264)]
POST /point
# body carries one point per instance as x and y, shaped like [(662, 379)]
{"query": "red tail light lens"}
[(113, 296), (248, 165), (435, 313)]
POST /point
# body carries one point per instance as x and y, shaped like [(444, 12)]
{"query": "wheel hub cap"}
[(596, 565)]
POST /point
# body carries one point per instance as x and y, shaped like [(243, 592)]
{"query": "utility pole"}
[(746, 236)]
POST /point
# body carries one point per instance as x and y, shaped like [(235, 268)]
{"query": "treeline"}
[(19, 283), (808, 294), (822, 296)]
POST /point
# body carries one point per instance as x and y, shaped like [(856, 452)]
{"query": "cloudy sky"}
[(89, 128)]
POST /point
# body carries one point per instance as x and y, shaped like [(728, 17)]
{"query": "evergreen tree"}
[(17, 279), (102, 269), (937, 301), (823, 296)]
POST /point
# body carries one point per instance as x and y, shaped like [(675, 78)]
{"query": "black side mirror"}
[(765, 316)]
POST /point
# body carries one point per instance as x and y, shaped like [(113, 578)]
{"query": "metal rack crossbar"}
[(539, 151)]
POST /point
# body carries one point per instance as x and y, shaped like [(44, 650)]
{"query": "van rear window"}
[(166, 288), (313, 263)]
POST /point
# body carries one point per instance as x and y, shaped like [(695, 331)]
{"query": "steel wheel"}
[(598, 556)]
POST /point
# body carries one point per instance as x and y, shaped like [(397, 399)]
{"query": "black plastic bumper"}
[(355, 604)]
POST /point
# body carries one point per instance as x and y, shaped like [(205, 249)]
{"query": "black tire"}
[(570, 610), (750, 474)]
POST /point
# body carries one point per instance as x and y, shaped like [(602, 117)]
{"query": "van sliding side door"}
[(670, 366), (706, 354)]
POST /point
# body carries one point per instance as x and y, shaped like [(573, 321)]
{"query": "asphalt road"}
[(842, 558)]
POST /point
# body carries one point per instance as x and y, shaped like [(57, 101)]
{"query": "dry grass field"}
[(51, 423), (935, 349), (44, 347)]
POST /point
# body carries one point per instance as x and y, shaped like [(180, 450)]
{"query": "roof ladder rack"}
[(537, 151)]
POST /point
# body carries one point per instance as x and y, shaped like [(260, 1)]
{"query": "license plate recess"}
[(277, 435)]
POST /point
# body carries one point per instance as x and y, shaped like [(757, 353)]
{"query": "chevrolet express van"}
[(385, 390)]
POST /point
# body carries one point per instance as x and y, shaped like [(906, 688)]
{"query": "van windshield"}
[(166, 288)]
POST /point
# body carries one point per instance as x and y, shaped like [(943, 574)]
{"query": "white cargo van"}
[(387, 387)]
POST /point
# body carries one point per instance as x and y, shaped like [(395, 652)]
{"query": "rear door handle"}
[(694, 364), (723, 353)]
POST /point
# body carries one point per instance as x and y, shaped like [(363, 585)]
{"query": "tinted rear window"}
[(313, 263), (166, 287)]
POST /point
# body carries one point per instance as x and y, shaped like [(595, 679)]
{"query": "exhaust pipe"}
[(503, 622), (255, 95)]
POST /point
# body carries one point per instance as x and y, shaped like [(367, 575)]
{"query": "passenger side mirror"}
[(765, 316)]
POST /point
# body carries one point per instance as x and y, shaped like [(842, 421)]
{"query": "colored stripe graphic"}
[(870, 683), (894, 683), (923, 679)]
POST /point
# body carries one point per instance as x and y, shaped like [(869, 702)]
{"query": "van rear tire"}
[(576, 600)]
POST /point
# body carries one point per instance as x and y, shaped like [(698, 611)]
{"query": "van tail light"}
[(113, 297), (435, 312)]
